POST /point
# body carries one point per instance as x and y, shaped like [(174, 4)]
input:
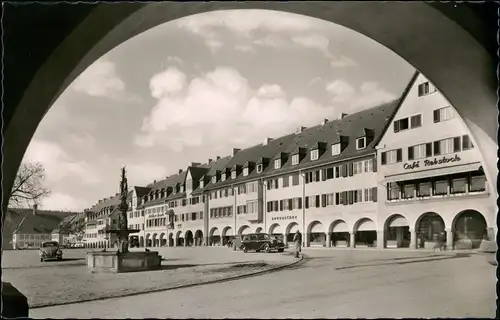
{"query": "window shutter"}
[(344, 198), (350, 196), (307, 177), (281, 205), (350, 169), (396, 126), (399, 155), (318, 201), (428, 149), (323, 174), (290, 204), (344, 170), (383, 158), (410, 153), (374, 164), (323, 200), (456, 144), (374, 196), (436, 116), (307, 202), (437, 149), (300, 203)]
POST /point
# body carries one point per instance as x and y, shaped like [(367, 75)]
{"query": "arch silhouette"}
[(155, 236), (226, 230), (243, 229), (259, 230), (361, 221), (392, 217), (141, 241), (273, 227), (314, 224), (188, 238), (331, 227), (198, 236)]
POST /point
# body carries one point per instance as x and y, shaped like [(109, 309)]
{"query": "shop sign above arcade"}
[(430, 163)]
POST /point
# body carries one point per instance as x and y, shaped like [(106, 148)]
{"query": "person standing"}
[(297, 238)]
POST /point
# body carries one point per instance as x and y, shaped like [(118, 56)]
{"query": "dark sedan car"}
[(261, 242), (50, 250)]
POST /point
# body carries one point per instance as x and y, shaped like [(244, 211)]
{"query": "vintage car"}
[(50, 250), (261, 242)]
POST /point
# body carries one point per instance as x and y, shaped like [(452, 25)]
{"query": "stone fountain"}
[(123, 260)]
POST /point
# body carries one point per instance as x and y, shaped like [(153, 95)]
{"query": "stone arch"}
[(466, 50), (179, 238), (338, 231), (188, 238), (397, 231), (274, 228), (148, 240), (215, 237), (470, 228), (227, 231), (259, 230), (429, 226), (198, 238), (365, 233), (244, 229), (316, 235), (163, 240)]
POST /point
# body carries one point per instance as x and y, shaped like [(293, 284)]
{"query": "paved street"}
[(329, 284)]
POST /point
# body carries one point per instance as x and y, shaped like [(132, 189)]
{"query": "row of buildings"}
[(398, 175)]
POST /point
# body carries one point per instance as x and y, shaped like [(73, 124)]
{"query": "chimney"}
[(342, 115), (235, 151), (35, 209), (180, 171), (195, 164), (325, 121), (267, 140), (218, 158), (300, 130), (210, 160)]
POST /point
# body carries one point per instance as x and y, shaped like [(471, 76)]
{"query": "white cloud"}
[(271, 91), (219, 108), (62, 201), (271, 40), (244, 48), (145, 173), (369, 94), (58, 164), (214, 44), (166, 82), (343, 61), (321, 43), (244, 22), (101, 80)]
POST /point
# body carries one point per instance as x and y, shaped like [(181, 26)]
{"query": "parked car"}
[(262, 242), (50, 250)]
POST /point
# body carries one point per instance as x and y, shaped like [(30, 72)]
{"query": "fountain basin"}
[(118, 262)]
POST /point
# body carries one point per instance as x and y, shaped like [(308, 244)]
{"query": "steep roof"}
[(43, 222), (141, 191)]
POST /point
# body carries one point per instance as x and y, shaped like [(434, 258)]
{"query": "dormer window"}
[(336, 149), (295, 159), (233, 174), (360, 143), (223, 177), (314, 154), (259, 168), (214, 179), (277, 163), (182, 188), (245, 172)]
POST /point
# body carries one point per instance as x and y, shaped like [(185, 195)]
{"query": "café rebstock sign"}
[(431, 163)]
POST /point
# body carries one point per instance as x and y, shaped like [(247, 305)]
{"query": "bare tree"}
[(28, 186)]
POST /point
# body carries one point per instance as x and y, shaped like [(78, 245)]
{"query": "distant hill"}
[(29, 222)]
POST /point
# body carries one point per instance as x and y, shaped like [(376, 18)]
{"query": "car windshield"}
[(263, 237), (49, 244)]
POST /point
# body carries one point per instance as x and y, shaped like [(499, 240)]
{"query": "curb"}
[(182, 286)]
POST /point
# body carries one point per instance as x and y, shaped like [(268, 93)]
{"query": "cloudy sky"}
[(194, 88)]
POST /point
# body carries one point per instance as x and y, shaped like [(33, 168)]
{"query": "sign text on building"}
[(284, 218), (430, 163)]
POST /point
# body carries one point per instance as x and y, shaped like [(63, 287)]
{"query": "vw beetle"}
[(50, 250)]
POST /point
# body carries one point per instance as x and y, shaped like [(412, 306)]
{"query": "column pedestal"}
[(449, 239), (328, 240), (380, 239), (413, 239), (352, 240)]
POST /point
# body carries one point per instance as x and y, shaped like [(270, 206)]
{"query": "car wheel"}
[(257, 250), (42, 260), (281, 250), (245, 250), (267, 249)]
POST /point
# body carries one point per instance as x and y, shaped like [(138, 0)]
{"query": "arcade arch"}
[(339, 234), (470, 228), (396, 232), (365, 233), (428, 228), (215, 238)]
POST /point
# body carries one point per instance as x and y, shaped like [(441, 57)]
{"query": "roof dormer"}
[(248, 167), (316, 150), (235, 171), (339, 144), (364, 137), (297, 155), (279, 160)]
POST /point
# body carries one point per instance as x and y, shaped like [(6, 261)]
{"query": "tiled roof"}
[(43, 222), (141, 191)]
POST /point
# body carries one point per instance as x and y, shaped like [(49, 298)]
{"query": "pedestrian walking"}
[(297, 238)]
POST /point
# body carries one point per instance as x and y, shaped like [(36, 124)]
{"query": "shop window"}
[(458, 185), (477, 182), (408, 191), (424, 189), (440, 187), (393, 191)]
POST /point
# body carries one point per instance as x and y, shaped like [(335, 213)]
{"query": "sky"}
[(194, 88)]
